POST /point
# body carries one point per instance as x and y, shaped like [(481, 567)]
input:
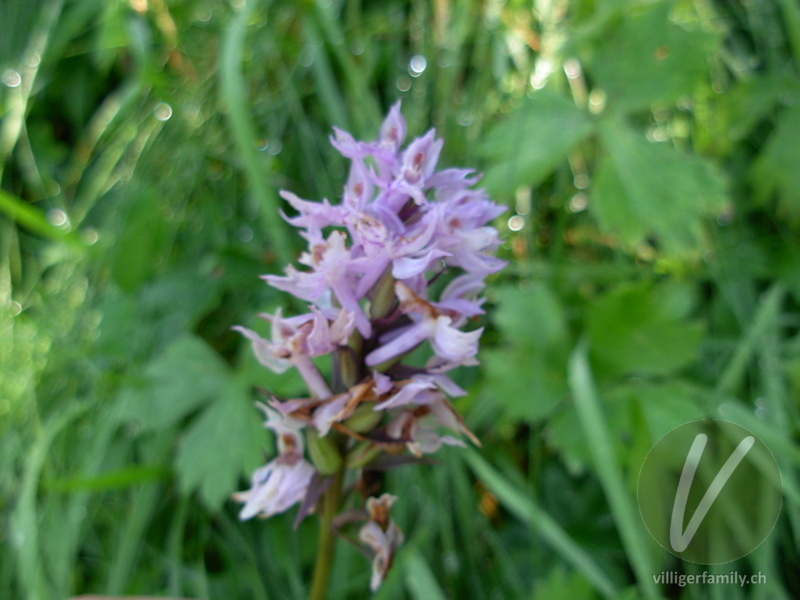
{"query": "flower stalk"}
[(326, 544)]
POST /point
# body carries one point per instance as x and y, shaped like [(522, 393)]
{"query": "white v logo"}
[(681, 540)]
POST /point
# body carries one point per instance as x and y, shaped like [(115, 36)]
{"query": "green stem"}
[(327, 538)]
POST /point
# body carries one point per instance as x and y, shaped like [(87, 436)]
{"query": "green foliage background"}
[(648, 152)]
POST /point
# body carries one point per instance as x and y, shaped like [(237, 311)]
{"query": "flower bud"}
[(324, 454), (361, 455), (346, 370), (382, 296), (364, 419)]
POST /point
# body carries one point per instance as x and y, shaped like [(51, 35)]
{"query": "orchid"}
[(392, 278), (382, 535), (282, 482)]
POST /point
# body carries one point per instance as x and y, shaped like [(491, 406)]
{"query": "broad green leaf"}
[(615, 209), (184, 293), (185, 376), (121, 335), (775, 172), (533, 318), (169, 305), (526, 385), (646, 57), (752, 100), (637, 328), (529, 143), (650, 189), (175, 301), (664, 405), (220, 446), (525, 374)]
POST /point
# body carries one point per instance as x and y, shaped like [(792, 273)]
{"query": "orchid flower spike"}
[(392, 276)]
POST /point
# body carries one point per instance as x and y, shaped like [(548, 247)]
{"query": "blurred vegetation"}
[(648, 152)]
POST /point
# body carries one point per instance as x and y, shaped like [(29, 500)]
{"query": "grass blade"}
[(120, 478), (596, 431), (34, 220), (234, 97), (420, 581), (530, 513), (25, 517), (737, 365)]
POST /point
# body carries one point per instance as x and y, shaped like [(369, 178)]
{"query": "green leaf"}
[(176, 300), (752, 100), (529, 317), (220, 446), (121, 335), (528, 144), (664, 405), (775, 172), (646, 58), (638, 328), (566, 435), (650, 189), (526, 374), (526, 386), (187, 375)]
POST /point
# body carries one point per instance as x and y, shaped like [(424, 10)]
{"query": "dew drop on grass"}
[(57, 217), (417, 65), (162, 111), (11, 78)]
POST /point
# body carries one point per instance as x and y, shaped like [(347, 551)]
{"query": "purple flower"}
[(283, 481), (418, 428), (332, 274), (393, 130), (313, 216), (455, 346), (422, 389), (341, 407), (369, 274), (382, 535), (295, 341)]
